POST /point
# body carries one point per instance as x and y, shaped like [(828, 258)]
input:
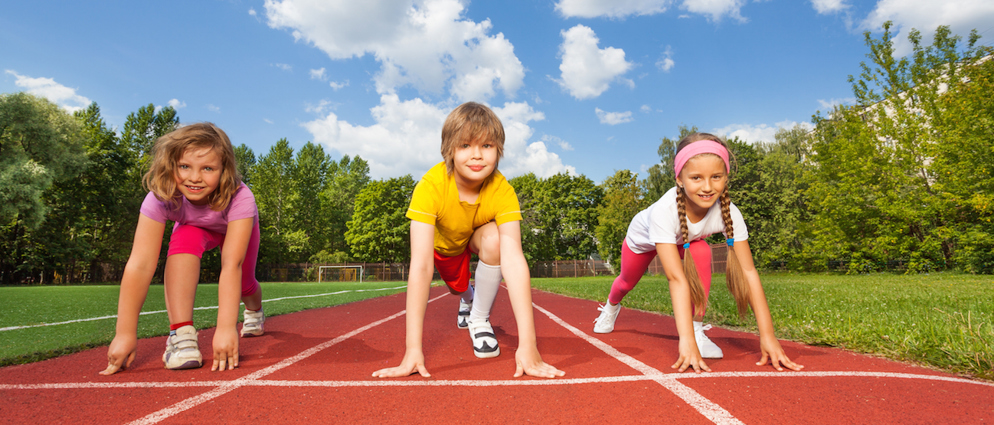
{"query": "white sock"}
[(467, 297), (487, 283)]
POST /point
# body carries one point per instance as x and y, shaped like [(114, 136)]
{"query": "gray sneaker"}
[(604, 323), (252, 323), (182, 351), (704, 345), (462, 320)]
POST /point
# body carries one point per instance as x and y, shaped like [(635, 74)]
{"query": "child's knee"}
[(488, 244)]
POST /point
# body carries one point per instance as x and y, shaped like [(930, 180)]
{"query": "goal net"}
[(340, 274)]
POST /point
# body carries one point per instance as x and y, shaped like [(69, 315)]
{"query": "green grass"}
[(31, 305), (941, 320)]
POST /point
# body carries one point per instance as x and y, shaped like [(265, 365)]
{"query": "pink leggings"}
[(633, 266), (189, 239)]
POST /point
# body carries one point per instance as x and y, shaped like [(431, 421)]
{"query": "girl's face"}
[(198, 173), (704, 179)]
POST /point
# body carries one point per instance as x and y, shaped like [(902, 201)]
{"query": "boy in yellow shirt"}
[(465, 205)]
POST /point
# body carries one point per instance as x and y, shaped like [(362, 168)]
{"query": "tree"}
[(309, 177), (274, 194), (564, 208), (624, 197), (346, 179), (245, 160), (874, 172), (535, 241), (141, 129), (379, 229)]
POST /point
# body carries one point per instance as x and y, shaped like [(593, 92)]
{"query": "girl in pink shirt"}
[(193, 181)]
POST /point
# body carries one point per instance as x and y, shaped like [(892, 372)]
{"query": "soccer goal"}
[(340, 274)]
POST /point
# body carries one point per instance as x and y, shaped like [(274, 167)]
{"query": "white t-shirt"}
[(660, 223)]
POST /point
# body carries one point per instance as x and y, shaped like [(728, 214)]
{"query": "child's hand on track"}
[(414, 361), (225, 349), (774, 352), (530, 362), (690, 357), (121, 354)]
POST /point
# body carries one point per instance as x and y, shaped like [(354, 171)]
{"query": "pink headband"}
[(697, 148)]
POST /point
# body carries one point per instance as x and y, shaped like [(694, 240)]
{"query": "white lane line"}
[(709, 409), (145, 313), (495, 383), (233, 385)]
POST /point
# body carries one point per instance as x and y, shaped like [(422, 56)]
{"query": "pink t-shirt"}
[(242, 206)]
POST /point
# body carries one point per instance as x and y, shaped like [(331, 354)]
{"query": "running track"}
[(315, 367)]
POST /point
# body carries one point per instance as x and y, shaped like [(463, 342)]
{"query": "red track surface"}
[(315, 367)]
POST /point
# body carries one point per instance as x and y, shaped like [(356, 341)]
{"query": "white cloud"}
[(926, 15), (176, 104), (318, 74), (666, 63), (613, 118), (646, 109), (252, 11), (336, 85), (826, 7), (831, 103), (320, 108), (588, 71), (715, 10), (283, 66), (757, 133), (564, 145), (426, 44), (610, 8), (405, 138), (212, 108), (61, 95), (267, 120)]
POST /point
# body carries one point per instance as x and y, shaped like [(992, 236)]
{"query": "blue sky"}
[(582, 86)]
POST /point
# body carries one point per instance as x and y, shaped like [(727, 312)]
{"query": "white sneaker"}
[(462, 320), (707, 348), (484, 340), (604, 323), (252, 323), (182, 351)]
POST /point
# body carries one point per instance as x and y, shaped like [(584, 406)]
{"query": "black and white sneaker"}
[(462, 320), (484, 340)]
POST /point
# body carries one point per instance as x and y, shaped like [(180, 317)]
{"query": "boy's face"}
[(475, 158)]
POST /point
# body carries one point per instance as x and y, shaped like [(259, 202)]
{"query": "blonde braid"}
[(697, 295), (734, 277)]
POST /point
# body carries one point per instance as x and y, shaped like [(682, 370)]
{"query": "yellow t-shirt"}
[(436, 202)]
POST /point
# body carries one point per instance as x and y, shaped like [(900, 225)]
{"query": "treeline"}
[(903, 179)]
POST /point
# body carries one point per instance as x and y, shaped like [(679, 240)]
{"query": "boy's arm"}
[(229, 293), (514, 268), (418, 286), (690, 356), (768, 343), (134, 288)]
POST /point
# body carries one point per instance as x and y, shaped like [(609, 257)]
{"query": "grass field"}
[(33, 305), (941, 320)]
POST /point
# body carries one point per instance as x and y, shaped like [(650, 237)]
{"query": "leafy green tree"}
[(141, 129), (309, 177), (535, 241), (346, 178), (245, 159), (567, 212), (624, 197), (874, 176), (275, 195), (379, 229)]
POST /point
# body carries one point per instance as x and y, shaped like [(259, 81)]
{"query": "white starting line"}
[(670, 381)]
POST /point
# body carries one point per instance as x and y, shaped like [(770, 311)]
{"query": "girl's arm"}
[(418, 287), (690, 356), (134, 288), (514, 268), (768, 343), (229, 293)]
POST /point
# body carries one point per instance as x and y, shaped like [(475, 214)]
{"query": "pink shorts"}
[(454, 270), (187, 239)]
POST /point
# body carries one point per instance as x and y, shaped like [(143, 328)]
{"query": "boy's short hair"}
[(470, 120)]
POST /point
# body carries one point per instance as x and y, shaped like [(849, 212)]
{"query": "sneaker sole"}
[(251, 333), (602, 331)]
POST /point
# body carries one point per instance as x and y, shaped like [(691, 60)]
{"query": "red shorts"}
[(454, 270), (187, 239)]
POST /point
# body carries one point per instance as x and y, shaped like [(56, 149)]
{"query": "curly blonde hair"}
[(161, 179)]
